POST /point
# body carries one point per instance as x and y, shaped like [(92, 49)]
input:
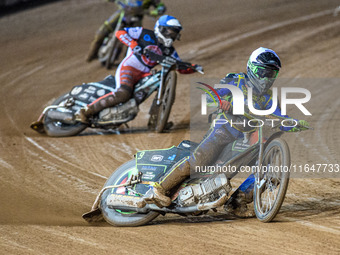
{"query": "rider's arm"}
[(182, 69), (185, 69), (147, 3), (277, 114), (159, 6), (229, 79), (223, 93), (129, 36), (159, 9)]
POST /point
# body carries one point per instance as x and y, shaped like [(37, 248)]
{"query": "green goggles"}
[(264, 73)]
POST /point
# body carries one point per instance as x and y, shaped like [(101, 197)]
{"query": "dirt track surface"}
[(47, 183)]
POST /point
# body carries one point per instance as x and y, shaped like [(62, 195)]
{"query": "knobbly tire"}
[(118, 217), (56, 128), (269, 197), (168, 99)]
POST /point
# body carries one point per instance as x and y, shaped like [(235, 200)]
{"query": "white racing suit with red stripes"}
[(133, 67)]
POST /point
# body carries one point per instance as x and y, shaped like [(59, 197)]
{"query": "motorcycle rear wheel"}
[(58, 129), (118, 217), (168, 99), (270, 193)]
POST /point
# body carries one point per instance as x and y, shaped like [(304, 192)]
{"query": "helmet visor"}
[(171, 32), (265, 73)]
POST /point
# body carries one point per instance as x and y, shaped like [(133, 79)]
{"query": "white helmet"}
[(262, 69), (167, 30)]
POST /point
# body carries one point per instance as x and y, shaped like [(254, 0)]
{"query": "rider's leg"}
[(122, 95), (241, 197), (206, 153), (126, 77), (104, 30)]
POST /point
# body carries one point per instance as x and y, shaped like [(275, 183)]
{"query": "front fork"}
[(258, 181), (165, 70), (160, 89)]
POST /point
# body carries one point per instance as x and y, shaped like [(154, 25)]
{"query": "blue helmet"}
[(167, 30)]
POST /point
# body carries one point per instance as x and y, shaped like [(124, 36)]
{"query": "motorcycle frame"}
[(255, 151), (152, 84)]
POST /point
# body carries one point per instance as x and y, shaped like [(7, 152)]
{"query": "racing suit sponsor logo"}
[(157, 158)]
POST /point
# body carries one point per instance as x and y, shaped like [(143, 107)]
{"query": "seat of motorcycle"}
[(89, 92), (186, 144), (109, 81)]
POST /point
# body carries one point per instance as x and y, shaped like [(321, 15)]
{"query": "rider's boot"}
[(84, 113), (158, 194), (238, 205), (97, 42), (205, 153), (122, 95)]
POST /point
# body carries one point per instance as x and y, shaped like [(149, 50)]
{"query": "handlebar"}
[(168, 60)]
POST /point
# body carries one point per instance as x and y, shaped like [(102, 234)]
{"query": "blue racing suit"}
[(263, 102), (219, 136)]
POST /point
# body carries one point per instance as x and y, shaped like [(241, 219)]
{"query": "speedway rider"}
[(136, 10), (262, 69), (137, 65)]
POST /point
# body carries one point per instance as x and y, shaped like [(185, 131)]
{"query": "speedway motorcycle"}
[(130, 15), (59, 118), (120, 202)]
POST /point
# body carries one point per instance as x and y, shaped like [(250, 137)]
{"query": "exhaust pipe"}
[(137, 204), (65, 117)]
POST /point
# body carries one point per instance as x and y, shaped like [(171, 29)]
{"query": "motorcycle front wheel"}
[(113, 53), (59, 129), (118, 217), (270, 191), (168, 99)]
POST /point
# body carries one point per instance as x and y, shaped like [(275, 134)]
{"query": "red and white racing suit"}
[(133, 67)]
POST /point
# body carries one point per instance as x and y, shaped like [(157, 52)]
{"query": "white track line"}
[(99, 175), (71, 237), (49, 153), (222, 40), (24, 75), (312, 225), (5, 164), (14, 245), (58, 158)]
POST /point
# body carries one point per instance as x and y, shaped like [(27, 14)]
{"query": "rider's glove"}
[(302, 125), (198, 68), (154, 12), (137, 50), (161, 9), (225, 105)]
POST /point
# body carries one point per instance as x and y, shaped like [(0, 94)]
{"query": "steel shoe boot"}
[(156, 195)]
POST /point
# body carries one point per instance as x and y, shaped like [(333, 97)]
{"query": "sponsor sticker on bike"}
[(157, 158)]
